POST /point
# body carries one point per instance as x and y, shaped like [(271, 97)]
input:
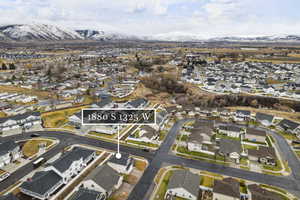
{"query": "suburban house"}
[(103, 179), (42, 184), (289, 126), (258, 193), (137, 103), (124, 165), (255, 135), (264, 155), (9, 152), (198, 137), (230, 131), (104, 103), (242, 115), (86, 194), (72, 162), (264, 119), (183, 184), (76, 119), (19, 123), (105, 129), (147, 134), (161, 118), (226, 189), (231, 149)]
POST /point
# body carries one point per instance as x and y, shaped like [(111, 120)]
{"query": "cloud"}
[(143, 17)]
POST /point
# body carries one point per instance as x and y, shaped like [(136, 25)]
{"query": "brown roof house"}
[(255, 135), (264, 155), (226, 189), (258, 193)]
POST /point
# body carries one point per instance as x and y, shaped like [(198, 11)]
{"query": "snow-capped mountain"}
[(176, 36), (47, 32), (272, 38), (43, 32), (101, 35)]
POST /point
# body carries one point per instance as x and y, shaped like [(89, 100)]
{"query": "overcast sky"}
[(208, 18)]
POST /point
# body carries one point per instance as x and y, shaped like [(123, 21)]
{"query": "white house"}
[(124, 165), (183, 184), (9, 152), (231, 131), (103, 179), (72, 162)]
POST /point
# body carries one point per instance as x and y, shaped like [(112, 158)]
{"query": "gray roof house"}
[(137, 103), (227, 188), (65, 161), (230, 148), (184, 184), (42, 184), (86, 194), (103, 179), (123, 165), (264, 119), (258, 193), (289, 126)]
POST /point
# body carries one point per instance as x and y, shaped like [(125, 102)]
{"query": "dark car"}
[(146, 150), (35, 135)]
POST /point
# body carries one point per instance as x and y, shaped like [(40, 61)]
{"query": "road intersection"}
[(161, 157)]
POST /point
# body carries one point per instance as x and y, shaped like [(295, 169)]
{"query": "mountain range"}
[(47, 32)]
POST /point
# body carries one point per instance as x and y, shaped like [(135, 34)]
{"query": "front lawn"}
[(31, 147), (142, 143), (101, 134), (160, 194)]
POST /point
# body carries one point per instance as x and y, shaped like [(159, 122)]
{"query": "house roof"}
[(85, 194), (288, 124), (8, 197), (258, 193), (104, 176), (252, 131), (229, 146), (137, 102), (230, 128), (104, 102), (197, 135), (20, 117), (243, 112), (228, 186), (185, 179), (264, 117), (8, 146), (122, 161), (41, 182), (201, 124), (64, 162), (263, 152)]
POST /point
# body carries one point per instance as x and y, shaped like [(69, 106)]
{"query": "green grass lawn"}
[(278, 166), (287, 136), (185, 150), (160, 194), (101, 134), (298, 153), (142, 143)]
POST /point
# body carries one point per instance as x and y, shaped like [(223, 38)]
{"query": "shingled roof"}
[(42, 182), (185, 179), (104, 176), (65, 161), (227, 186)]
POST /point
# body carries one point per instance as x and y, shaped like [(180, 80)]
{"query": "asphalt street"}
[(163, 155)]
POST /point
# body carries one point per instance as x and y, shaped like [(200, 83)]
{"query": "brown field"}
[(11, 89)]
